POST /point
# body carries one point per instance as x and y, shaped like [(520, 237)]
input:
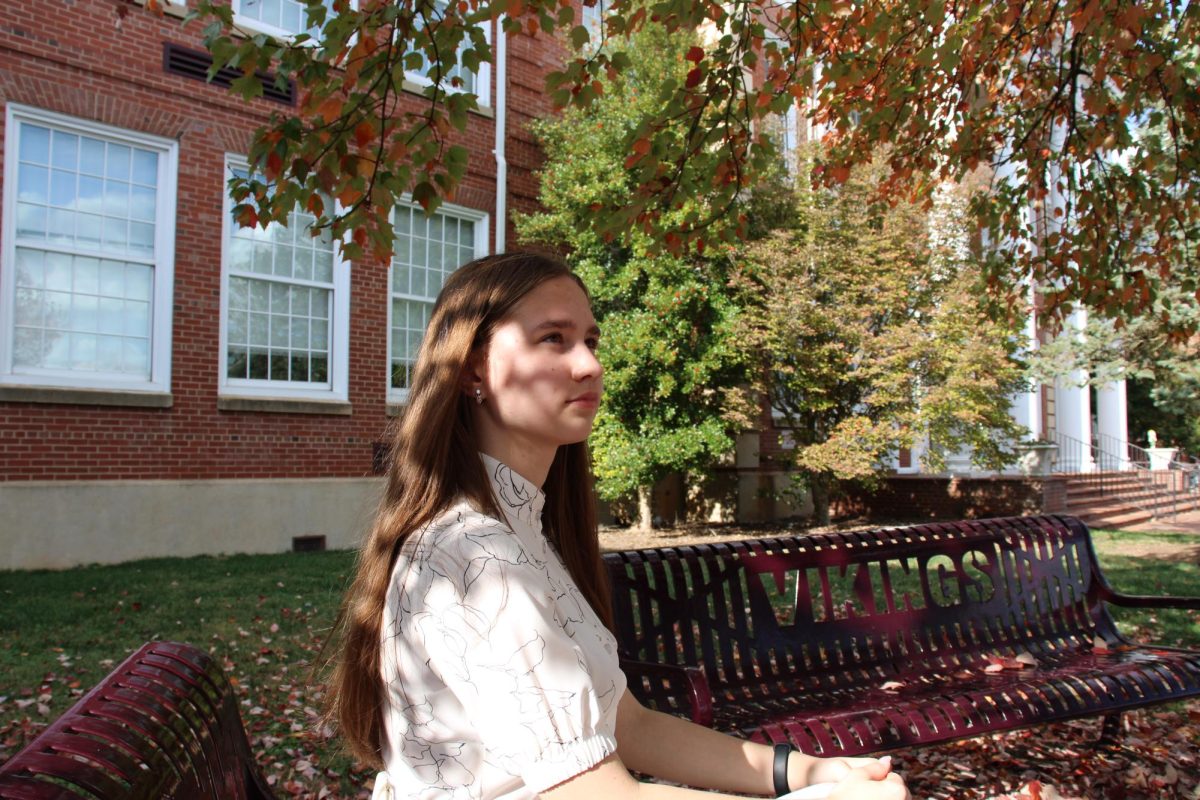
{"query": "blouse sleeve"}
[(495, 630)]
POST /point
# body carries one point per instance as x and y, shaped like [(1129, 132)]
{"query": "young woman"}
[(475, 659)]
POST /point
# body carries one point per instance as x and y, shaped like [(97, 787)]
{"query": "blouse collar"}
[(518, 498)]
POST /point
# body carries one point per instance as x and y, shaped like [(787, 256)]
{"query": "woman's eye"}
[(593, 343), (556, 338)]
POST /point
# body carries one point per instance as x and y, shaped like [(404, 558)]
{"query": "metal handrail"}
[(1107, 472)]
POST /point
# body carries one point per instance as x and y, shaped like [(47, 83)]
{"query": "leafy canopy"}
[(872, 337), (1089, 109)]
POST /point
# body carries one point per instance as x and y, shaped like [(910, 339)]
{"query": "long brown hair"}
[(434, 462)]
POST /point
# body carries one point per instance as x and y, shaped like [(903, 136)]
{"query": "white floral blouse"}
[(501, 680)]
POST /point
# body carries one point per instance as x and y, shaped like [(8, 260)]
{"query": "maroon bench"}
[(164, 723), (859, 642)]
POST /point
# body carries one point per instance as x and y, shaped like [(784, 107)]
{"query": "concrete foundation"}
[(60, 524)]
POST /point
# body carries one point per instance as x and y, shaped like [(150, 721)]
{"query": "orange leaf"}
[(331, 109), (695, 55), (315, 204), (641, 146), (364, 133), (694, 77), (247, 217)]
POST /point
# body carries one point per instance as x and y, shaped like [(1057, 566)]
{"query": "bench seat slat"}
[(164, 723)]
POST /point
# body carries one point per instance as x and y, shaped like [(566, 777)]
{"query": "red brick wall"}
[(102, 60), (919, 497)]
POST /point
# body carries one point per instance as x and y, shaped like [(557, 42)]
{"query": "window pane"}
[(238, 328), (30, 269), (138, 281), (31, 221), (136, 356), (141, 239), (108, 353), (258, 365), (87, 275), (83, 352), (60, 226), (58, 272), (91, 156), (35, 144), (33, 184), (91, 194), (65, 149), (89, 231), (116, 164), (237, 362), (142, 201), (62, 188), (145, 167), (116, 199)]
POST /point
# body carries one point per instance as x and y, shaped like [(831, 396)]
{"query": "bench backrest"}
[(828, 610), (164, 723)]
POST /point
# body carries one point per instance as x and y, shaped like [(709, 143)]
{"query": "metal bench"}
[(164, 723), (849, 643)]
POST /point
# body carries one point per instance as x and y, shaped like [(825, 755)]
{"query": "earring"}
[(479, 397)]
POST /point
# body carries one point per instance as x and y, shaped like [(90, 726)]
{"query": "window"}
[(88, 242), (477, 83), (281, 18), (427, 249), (593, 20), (284, 309)]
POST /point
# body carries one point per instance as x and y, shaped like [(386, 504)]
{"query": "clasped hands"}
[(854, 779)]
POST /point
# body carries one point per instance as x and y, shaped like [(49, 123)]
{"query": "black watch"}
[(780, 769)]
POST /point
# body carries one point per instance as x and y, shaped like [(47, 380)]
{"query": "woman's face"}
[(541, 381)]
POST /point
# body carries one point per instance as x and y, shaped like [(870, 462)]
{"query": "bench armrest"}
[(675, 690), (1146, 601)]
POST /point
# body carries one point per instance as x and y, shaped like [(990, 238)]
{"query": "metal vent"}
[(308, 544), (194, 64)]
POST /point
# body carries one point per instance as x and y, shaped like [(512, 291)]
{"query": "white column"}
[(1113, 425), (1073, 408), (1026, 407)]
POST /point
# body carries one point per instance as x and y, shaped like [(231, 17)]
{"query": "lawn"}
[(267, 617)]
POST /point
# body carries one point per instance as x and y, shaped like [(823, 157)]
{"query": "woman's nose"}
[(585, 364)]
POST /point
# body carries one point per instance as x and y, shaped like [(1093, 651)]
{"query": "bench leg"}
[(1111, 729)]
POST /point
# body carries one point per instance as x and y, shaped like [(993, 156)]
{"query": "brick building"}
[(169, 383)]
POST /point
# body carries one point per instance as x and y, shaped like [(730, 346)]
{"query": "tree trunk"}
[(819, 485), (645, 514)]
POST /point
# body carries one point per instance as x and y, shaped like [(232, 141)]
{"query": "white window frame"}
[(482, 222), (163, 290), (251, 25), (339, 324), (483, 78)]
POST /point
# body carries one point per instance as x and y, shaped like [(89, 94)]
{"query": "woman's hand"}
[(873, 780), (834, 770)]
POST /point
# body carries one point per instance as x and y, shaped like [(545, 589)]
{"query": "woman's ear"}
[(471, 379)]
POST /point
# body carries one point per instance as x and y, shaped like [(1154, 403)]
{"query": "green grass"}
[(267, 616), (1177, 575)]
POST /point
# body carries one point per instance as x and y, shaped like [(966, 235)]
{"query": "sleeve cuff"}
[(561, 762)]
